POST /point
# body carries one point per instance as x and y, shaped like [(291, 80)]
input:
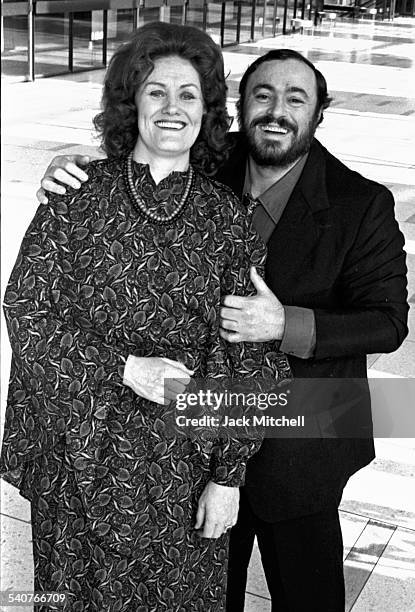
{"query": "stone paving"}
[(371, 127)]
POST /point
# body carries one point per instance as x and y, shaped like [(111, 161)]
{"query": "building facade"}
[(50, 37)]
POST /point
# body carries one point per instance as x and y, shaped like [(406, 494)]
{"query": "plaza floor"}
[(371, 127)]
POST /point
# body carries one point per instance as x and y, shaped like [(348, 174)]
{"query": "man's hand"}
[(158, 379), (66, 170), (217, 510), (259, 318)]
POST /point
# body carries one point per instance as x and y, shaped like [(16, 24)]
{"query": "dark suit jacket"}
[(338, 250)]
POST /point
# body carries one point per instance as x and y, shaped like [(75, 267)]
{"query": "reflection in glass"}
[(149, 14), (246, 19), (230, 35), (88, 38), (177, 14), (259, 19), (195, 13), (269, 18), (14, 53), (51, 44), (214, 17), (120, 25)]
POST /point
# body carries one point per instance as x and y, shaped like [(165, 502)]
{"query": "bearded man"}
[(334, 291)]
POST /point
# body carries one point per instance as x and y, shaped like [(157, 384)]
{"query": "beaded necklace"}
[(138, 201)]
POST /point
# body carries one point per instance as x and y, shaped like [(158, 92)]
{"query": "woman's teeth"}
[(171, 125)]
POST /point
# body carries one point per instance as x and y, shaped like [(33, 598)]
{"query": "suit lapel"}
[(312, 183), (293, 253)]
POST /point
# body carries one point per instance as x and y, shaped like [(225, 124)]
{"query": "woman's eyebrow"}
[(164, 85), (154, 83)]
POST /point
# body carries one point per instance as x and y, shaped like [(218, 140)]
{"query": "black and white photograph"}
[(208, 306)]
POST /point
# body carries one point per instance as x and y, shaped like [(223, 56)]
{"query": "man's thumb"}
[(258, 282)]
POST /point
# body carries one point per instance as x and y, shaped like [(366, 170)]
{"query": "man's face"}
[(279, 115)]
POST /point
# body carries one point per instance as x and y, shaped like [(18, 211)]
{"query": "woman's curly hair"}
[(131, 65)]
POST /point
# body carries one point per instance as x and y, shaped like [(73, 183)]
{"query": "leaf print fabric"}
[(113, 496)]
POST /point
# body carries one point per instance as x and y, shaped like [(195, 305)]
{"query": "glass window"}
[(88, 39), (246, 19), (120, 26), (214, 18), (259, 19), (280, 17), (292, 11), (269, 18), (149, 14), (177, 14), (14, 62), (195, 13), (51, 44), (230, 33)]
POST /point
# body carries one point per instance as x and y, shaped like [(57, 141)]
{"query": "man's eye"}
[(262, 97), (296, 101)]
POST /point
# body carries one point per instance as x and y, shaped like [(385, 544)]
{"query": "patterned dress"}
[(113, 496)]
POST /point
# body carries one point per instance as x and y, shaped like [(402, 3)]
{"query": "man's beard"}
[(273, 153)]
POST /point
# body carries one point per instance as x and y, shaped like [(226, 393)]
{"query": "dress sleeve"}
[(249, 362), (62, 370)]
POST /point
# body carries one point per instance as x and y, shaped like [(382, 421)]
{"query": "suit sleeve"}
[(62, 370), (371, 289), (249, 362), (299, 336)]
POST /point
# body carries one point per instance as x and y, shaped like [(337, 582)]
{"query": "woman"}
[(117, 288)]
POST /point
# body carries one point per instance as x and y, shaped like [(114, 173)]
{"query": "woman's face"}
[(169, 108)]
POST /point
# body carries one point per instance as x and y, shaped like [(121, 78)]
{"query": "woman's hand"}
[(65, 169), (158, 379), (217, 510)]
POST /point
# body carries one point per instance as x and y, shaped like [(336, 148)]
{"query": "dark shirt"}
[(300, 330)]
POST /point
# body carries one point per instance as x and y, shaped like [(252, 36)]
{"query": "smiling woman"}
[(170, 110), (133, 64), (112, 306)]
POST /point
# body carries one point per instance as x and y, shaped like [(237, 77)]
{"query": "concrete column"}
[(112, 24), (97, 32), (165, 14)]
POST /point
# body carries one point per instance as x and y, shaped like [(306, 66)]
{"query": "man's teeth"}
[(274, 128), (171, 125)]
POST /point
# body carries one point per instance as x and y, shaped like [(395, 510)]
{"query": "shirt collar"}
[(275, 198)]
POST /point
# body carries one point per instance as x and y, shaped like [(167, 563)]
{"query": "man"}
[(335, 290)]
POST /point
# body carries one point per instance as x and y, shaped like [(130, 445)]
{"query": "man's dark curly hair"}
[(131, 65)]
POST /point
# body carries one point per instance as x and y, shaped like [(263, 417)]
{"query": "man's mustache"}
[(281, 122)]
